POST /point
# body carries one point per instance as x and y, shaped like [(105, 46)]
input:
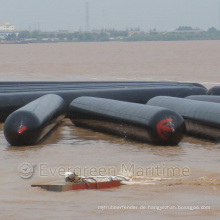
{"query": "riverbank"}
[(110, 35)]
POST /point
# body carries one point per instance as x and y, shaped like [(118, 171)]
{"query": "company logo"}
[(25, 170), (165, 128), (23, 128)]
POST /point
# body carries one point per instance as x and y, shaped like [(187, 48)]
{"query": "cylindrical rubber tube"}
[(144, 123), (10, 102), (29, 124), (34, 87), (214, 91), (206, 98), (24, 84), (201, 118)]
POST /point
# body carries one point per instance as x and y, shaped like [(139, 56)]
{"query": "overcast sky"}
[(56, 15)]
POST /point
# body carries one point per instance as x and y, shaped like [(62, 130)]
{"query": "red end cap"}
[(23, 128), (165, 128)]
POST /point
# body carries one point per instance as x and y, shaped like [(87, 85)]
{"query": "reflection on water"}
[(70, 146)]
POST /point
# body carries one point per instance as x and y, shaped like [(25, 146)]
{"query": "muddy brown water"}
[(168, 182)]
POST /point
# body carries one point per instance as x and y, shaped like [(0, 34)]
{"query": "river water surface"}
[(155, 192)]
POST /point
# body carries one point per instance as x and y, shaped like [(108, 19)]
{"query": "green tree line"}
[(180, 34)]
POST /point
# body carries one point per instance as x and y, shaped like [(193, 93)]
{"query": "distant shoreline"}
[(25, 37), (130, 41)]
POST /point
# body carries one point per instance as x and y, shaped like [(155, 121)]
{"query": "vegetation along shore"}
[(182, 33)]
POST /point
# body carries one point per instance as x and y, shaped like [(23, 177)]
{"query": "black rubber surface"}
[(10, 102), (141, 122), (206, 98), (29, 124), (202, 118), (214, 91)]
